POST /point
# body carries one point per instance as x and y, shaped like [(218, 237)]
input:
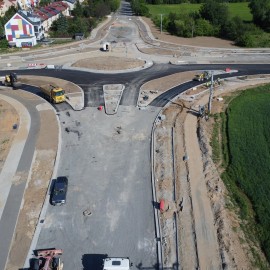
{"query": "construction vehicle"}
[(116, 264), (49, 259), (204, 76), (53, 93), (12, 80)]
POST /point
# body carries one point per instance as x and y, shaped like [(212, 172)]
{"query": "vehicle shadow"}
[(51, 190), (93, 261)]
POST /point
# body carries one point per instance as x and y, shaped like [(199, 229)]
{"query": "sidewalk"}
[(30, 165)]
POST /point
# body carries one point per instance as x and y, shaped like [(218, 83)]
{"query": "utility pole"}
[(211, 93), (161, 23)]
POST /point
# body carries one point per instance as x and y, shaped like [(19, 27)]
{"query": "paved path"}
[(16, 173), (11, 192)]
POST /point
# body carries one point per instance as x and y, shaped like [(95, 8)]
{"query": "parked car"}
[(59, 191)]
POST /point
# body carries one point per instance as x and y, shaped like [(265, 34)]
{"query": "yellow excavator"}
[(12, 80), (202, 76)]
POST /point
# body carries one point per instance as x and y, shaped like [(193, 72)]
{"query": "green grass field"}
[(240, 9), (248, 158)]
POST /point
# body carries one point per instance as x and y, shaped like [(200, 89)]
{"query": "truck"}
[(116, 264), (53, 93)]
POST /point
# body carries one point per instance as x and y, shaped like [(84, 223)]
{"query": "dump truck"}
[(12, 80), (116, 264), (202, 76), (53, 93)]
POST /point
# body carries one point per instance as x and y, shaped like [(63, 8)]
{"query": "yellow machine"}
[(12, 80), (53, 93), (202, 76)]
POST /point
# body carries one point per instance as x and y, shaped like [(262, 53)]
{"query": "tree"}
[(2, 30), (139, 8), (114, 5), (216, 13), (9, 13), (204, 28), (78, 25), (101, 9), (62, 24), (260, 10), (78, 11)]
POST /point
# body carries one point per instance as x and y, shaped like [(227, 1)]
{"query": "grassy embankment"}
[(244, 154), (235, 9), (256, 38)]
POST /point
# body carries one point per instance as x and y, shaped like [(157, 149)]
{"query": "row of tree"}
[(159, 2), (213, 20), (84, 17)]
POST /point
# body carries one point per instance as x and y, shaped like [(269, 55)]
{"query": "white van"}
[(116, 264)]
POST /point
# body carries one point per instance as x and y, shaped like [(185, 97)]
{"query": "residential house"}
[(20, 32), (35, 20), (25, 28), (50, 13)]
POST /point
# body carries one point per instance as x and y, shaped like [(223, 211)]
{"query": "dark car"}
[(59, 191)]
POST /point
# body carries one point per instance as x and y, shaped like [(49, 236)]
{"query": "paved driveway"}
[(107, 160)]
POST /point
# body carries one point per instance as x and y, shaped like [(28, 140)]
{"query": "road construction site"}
[(112, 181)]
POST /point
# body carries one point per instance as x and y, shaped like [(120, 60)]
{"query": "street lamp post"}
[(211, 93), (161, 23)]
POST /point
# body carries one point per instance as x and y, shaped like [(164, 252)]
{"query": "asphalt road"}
[(92, 83)]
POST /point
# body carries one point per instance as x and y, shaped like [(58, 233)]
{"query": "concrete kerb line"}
[(75, 107), (145, 66), (47, 198), (118, 100), (144, 106), (156, 213)]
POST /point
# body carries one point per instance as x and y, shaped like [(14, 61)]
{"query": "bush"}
[(204, 28), (3, 44), (140, 8)]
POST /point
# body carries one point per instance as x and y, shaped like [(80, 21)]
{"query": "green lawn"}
[(240, 9), (248, 171)]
